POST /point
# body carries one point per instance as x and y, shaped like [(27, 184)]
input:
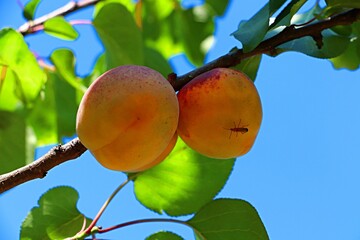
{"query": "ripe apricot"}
[(220, 113), (163, 155), (127, 117)]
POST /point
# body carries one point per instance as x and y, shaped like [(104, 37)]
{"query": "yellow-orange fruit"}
[(127, 117), (220, 113), (163, 155)]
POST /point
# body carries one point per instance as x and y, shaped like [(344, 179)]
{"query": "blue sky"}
[(302, 174)]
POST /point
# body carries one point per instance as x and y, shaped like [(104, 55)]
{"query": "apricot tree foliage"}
[(33, 112)]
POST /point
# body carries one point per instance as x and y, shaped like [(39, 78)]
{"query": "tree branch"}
[(40, 167), (289, 33), (30, 26), (74, 149)]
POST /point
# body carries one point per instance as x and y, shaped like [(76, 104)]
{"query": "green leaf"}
[(56, 217), (275, 5), (250, 33), (15, 54), (43, 116), (190, 31), (154, 19), (155, 60), (217, 6), (66, 106), (164, 236), (197, 179), (30, 8), (64, 61), (161, 31), (333, 45), (228, 219), (350, 58), (250, 66), (60, 28), (343, 3), (129, 4), (66, 88), (159, 9), (17, 142), (197, 27), (120, 35), (285, 16), (327, 45), (9, 100), (98, 69)]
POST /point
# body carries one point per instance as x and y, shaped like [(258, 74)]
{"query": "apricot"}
[(220, 113), (163, 155), (128, 117)]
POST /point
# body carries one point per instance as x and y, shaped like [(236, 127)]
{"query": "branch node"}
[(318, 38), (58, 149), (171, 78)]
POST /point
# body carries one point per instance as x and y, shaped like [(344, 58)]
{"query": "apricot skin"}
[(127, 117), (163, 155), (220, 113)]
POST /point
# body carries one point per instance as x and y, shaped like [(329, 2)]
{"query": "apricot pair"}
[(129, 116)]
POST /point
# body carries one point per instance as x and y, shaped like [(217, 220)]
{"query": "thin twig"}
[(74, 149), (31, 26)]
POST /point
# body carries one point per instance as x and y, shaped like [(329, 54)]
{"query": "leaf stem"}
[(150, 220), (89, 229), (81, 22)]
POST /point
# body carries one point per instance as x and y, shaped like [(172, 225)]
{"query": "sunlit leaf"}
[(250, 66), (129, 4), (99, 68), (159, 8), (65, 105), (15, 54), (56, 217), (250, 33), (17, 141), (350, 58), (30, 8), (161, 31), (164, 236), (60, 28), (120, 35), (43, 116), (228, 219), (9, 100), (65, 85), (64, 61), (154, 14), (197, 179), (196, 26), (180, 30)]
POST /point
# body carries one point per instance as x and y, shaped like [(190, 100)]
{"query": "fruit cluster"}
[(130, 117)]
